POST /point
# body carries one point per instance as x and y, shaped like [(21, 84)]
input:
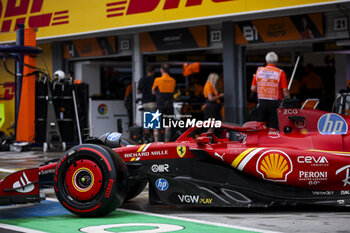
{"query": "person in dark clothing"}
[(164, 87), (145, 88), (148, 99)]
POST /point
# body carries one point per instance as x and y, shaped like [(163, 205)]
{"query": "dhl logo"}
[(7, 92), (129, 7), (28, 12)]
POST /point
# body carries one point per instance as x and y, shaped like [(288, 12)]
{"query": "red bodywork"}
[(21, 183), (310, 151)]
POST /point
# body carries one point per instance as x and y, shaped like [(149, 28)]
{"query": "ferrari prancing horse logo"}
[(181, 150)]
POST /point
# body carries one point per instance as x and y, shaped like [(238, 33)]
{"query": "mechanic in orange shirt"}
[(212, 96), (270, 82), (164, 87)]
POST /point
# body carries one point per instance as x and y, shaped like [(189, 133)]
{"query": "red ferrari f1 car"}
[(306, 162)]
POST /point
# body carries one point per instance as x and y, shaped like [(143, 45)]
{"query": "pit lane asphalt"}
[(286, 219)]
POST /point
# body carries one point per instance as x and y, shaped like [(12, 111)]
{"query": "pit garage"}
[(308, 48), (312, 38)]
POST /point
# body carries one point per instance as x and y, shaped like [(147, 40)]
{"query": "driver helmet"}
[(59, 75)]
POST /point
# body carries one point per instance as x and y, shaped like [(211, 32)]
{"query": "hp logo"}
[(332, 124), (162, 184)]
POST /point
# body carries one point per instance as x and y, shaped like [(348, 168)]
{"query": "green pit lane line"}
[(121, 220)]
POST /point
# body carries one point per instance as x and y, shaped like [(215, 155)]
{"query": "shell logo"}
[(274, 165)]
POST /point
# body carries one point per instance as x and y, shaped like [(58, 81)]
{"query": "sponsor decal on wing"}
[(23, 185)]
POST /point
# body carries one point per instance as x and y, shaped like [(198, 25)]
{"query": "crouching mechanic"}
[(164, 87), (270, 82)]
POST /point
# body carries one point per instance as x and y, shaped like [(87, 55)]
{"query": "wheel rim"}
[(84, 180)]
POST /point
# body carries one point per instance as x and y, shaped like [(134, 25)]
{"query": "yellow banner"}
[(7, 101), (7, 87), (67, 17)]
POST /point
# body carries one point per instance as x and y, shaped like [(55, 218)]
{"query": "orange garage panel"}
[(26, 114)]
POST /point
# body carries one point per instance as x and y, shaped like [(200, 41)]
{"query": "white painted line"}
[(19, 229), (51, 199), (198, 221), (160, 227), (187, 219)]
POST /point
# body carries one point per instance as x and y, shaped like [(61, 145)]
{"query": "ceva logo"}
[(332, 123), (16, 13), (120, 8)]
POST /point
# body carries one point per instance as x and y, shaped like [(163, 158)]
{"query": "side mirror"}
[(203, 140)]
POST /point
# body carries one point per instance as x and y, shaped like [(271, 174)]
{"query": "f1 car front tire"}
[(91, 180)]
